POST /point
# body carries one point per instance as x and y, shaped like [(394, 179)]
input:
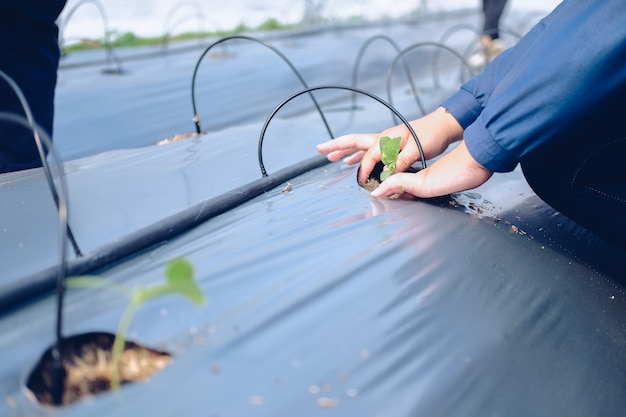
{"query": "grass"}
[(129, 39)]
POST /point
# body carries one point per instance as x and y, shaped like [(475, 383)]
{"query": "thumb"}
[(405, 160)]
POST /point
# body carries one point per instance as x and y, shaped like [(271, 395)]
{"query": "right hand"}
[(435, 131)]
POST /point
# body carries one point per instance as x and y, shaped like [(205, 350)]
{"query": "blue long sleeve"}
[(567, 76)]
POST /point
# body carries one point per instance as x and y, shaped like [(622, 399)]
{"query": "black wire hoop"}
[(196, 117), (438, 46), (359, 57), (62, 209), (41, 148), (336, 87), (111, 56)]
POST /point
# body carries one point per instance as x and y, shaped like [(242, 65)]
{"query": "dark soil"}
[(371, 184), (86, 361), (373, 181)]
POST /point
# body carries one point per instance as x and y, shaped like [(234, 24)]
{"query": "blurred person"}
[(553, 103), (29, 54), (489, 41)]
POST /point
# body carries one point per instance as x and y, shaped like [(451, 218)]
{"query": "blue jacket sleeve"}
[(565, 70)]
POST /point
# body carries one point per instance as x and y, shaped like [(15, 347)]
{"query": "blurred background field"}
[(90, 19)]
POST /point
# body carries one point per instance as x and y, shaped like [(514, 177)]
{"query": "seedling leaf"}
[(389, 150), (179, 277)]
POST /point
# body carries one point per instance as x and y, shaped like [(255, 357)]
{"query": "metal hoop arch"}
[(111, 56), (359, 57), (443, 39), (62, 210), (196, 117), (168, 27), (337, 87), (40, 149), (411, 48)]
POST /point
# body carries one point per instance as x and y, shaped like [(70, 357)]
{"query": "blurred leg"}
[(492, 11), (29, 36)]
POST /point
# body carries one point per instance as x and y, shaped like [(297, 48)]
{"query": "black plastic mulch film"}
[(45, 281), (107, 255)]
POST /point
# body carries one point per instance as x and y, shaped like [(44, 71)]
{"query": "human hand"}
[(356, 144), (453, 172), (435, 132)]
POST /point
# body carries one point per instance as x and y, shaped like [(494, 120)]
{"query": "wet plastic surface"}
[(321, 299)]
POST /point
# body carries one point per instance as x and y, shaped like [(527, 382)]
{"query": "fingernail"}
[(375, 193)]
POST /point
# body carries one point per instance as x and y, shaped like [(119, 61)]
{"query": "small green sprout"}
[(389, 150), (179, 279)]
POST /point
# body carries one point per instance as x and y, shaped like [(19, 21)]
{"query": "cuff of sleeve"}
[(487, 151), (464, 107)]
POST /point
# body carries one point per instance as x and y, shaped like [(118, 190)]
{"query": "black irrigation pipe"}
[(421, 45), (196, 117), (359, 57), (106, 256), (32, 125), (110, 53), (444, 38), (168, 27), (57, 274), (336, 87)]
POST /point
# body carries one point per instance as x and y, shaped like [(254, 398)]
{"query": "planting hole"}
[(86, 360)]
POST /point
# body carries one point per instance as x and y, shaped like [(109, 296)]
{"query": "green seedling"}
[(389, 150), (179, 279)]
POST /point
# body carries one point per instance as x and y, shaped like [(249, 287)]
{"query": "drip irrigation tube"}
[(444, 38), (110, 53), (38, 134), (43, 282), (336, 87), (421, 45), (169, 27), (357, 63), (57, 274), (196, 117)]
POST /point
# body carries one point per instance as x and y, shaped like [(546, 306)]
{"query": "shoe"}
[(490, 48), (494, 48), (477, 61)]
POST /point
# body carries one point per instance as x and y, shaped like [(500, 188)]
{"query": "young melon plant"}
[(389, 150), (179, 279)]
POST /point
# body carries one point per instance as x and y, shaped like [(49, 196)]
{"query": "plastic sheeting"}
[(328, 297), (323, 299)]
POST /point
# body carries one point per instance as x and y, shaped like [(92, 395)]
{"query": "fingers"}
[(455, 171), (407, 156), (355, 158), (398, 184), (337, 155), (360, 148), (369, 161), (347, 144)]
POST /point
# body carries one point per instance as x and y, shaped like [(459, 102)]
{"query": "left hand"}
[(453, 172), (355, 145)]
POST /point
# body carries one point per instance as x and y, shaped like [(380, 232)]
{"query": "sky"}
[(82, 18)]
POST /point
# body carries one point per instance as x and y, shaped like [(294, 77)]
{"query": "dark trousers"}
[(29, 54), (586, 182), (492, 11)]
